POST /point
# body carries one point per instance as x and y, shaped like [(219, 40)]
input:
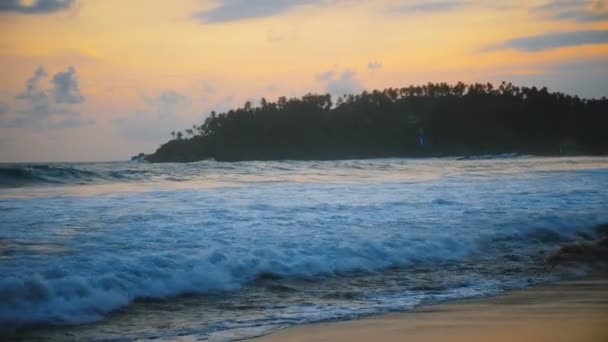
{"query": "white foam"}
[(121, 246)]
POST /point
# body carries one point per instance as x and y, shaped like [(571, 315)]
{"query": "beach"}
[(574, 310), (303, 170)]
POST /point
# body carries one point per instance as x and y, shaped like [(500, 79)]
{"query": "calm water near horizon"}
[(126, 251)]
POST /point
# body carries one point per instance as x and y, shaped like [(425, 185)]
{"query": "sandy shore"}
[(566, 311)]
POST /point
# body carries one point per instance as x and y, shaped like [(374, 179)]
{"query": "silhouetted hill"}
[(416, 121)]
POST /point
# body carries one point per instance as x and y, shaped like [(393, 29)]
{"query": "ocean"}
[(128, 251)]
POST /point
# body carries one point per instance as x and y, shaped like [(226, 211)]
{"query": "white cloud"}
[(66, 88), (36, 107), (165, 112), (374, 65), (36, 7), (236, 10), (340, 84)]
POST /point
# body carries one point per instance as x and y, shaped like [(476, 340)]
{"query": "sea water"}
[(128, 251)]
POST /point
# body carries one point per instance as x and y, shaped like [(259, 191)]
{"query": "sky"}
[(87, 80)]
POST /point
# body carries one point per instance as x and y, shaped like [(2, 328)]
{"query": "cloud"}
[(36, 6), (325, 76), (34, 106), (224, 104), (154, 123), (581, 11), (208, 88), (34, 95), (236, 10), (430, 7), (374, 65), (581, 16), (167, 103), (50, 117), (4, 109), (75, 120), (345, 83), (553, 40), (587, 78), (32, 89), (559, 5), (206, 91), (66, 89)]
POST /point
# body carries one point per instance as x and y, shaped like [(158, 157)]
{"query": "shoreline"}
[(568, 310), (456, 155)]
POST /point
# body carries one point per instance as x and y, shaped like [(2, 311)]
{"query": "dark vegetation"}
[(416, 121)]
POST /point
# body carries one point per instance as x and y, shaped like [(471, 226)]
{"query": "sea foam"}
[(420, 228)]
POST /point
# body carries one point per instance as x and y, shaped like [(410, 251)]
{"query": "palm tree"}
[(473, 117)]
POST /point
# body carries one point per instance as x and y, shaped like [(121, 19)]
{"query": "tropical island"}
[(416, 121)]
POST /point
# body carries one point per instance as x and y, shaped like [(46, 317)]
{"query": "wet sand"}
[(566, 311)]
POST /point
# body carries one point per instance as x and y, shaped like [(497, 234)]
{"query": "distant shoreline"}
[(417, 121), (458, 156)]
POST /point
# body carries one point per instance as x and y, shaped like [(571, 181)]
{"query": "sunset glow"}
[(145, 68)]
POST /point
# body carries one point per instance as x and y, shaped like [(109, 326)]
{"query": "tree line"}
[(436, 119)]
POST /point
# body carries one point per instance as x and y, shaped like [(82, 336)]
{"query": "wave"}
[(591, 249), (85, 291), (24, 175), (66, 294), (492, 156)]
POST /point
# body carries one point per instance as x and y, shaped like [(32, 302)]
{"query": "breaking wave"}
[(77, 293), (70, 293), (294, 241), (24, 175)]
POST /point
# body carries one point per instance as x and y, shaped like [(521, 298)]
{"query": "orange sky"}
[(144, 68)]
